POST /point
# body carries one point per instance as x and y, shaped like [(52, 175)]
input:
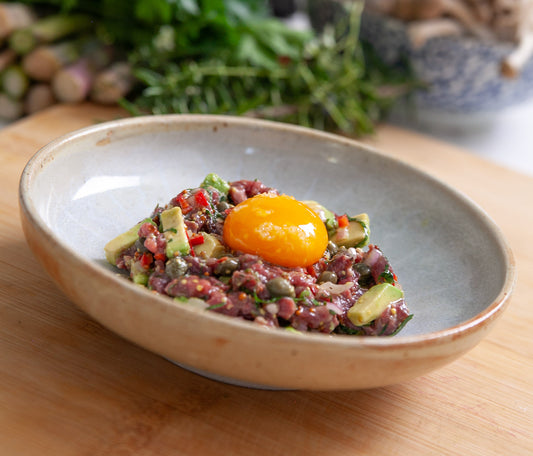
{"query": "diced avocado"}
[(373, 303), (356, 234), (215, 181), (175, 232), (211, 247), (325, 215), (140, 279), (123, 241)]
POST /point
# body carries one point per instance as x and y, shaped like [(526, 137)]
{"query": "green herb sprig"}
[(276, 73), (233, 57)]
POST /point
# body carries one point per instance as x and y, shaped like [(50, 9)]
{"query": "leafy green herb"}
[(260, 302), (274, 72), (270, 71), (402, 324), (232, 57), (384, 329), (306, 293), (387, 275), (342, 329), (216, 306)]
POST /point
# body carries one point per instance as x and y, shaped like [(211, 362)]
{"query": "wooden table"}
[(68, 386)]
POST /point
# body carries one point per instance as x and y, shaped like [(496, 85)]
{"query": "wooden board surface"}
[(68, 386)]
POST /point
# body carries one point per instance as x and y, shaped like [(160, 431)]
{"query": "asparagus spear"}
[(10, 109), (47, 30), (7, 57), (113, 83), (14, 16), (72, 83), (45, 61), (39, 96), (15, 82)]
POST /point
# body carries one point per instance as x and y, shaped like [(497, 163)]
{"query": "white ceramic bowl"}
[(84, 188)]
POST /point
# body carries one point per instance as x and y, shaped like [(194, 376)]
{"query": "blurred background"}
[(475, 58), (458, 70)]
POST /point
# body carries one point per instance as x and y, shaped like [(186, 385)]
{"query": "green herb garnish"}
[(216, 306), (402, 324), (387, 276)]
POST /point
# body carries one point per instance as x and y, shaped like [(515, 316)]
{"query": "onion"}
[(272, 308), (341, 234), (334, 308), (372, 258), (334, 289)]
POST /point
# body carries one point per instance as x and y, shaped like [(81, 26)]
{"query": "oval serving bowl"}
[(83, 189)]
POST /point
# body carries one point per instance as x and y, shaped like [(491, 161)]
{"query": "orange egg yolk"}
[(280, 229)]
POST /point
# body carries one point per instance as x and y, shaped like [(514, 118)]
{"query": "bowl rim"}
[(46, 154)]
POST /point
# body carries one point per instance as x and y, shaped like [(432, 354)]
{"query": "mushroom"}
[(512, 65), (422, 10), (421, 31), (482, 9), (507, 18), (504, 20)]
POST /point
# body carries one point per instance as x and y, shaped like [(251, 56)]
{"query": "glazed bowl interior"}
[(83, 189)]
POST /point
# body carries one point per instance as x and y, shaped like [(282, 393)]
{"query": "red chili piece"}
[(196, 239), (343, 221), (201, 199), (184, 204), (146, 260)]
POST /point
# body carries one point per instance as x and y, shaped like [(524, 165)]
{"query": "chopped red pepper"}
[(311, 271), (196, 239), (160, 256), (201, 199), (343, 221), (146, 260), (184, 204)]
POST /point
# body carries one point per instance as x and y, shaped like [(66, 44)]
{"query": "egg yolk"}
[(280, 229)]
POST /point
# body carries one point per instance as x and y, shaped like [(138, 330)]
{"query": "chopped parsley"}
[(387, 275), (216, 306)]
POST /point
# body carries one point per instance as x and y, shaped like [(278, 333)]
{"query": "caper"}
[(327, 276), (139, 245), (365, 274), (280, 287), (176, 267), (223, 206), (332, 248), (226, 267)]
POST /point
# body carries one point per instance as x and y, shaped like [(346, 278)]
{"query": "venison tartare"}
[(244, 250)]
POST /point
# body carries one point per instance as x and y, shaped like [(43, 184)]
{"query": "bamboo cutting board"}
[(68, 386)]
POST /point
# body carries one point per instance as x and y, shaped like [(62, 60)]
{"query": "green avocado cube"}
[(215, 181), (123, 241), (373, 303), (175, 232)]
